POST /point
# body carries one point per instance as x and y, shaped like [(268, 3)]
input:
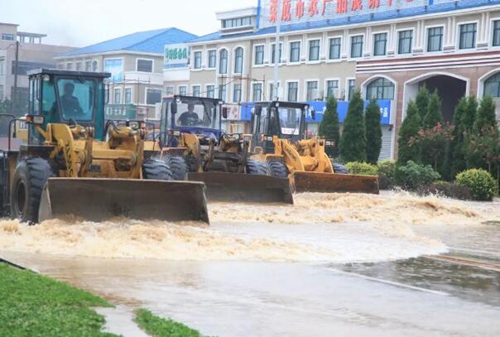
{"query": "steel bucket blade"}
[(238, 187), (334, 183), (98, 199)]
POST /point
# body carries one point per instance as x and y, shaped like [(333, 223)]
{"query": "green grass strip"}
[(160, 327), (34, 305)]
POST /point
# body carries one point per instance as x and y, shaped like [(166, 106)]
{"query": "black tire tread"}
[(37, 171), (278, 169), (155, 169), (178, 167), (257, 167)]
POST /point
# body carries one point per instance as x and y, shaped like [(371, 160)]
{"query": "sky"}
[(80, 23)]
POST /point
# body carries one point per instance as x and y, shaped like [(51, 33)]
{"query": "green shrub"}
[(446, 189), (362, 168), (386, 173), (413, 175), (480, 183)]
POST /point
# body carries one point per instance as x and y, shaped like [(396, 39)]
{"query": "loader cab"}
[(69, 97), (194, 115), (286, 120)]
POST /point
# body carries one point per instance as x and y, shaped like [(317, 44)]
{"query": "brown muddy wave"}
[(319, 227)]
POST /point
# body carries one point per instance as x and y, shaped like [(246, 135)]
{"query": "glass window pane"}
[(356, 46), (314, 46), (334, 48)]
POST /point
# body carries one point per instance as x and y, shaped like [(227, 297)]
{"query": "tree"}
[(458, 146), (409, 129), (373, 132), (329, 126), (422, 101), (485, 114), (469, 118), (434, 143), (5, 107), (353, 139), (434, 115)]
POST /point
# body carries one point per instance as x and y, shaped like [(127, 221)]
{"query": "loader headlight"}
[(177, 133)]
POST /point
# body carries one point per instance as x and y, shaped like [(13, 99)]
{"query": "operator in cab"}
[(189, 117), (70, 104)]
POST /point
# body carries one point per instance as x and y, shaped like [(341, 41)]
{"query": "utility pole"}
[(14, 93), (277, 56)]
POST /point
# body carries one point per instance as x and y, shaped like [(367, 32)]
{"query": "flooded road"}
[(331, 265)]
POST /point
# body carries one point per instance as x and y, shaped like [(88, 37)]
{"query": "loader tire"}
[(28, 182), (178, 167), (155, 169), (278, 169), (257, 167), (340, 169)]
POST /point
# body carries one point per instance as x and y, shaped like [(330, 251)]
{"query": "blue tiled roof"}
[(356, 19), (152, 41)]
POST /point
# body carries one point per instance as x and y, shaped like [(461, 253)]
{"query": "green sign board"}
[(120, 111), (176, 56)]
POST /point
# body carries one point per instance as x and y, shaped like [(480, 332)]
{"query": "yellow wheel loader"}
[(192, 142), (73, 163), (278, 138)]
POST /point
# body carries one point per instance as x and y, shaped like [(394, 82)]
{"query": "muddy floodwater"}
[(331, 265)]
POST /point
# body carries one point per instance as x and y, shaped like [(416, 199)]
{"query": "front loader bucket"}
[(239, 187), (334, 183), (98, 199)]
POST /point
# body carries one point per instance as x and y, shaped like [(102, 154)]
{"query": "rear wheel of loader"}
[(257, 167), (178, 167), (27, 185), (278, 169), (154, 169)]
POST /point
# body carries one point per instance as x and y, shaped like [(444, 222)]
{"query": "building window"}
[(272, 94), (238, 60), (145, 66), (351, 86), (196, 90), (2, 65), (273, 48), (295, 52), (335, 44), (259, 55), (293, 91), (496, 33), (468, 36), (405, 42), (212, 59), (332, 88), (238, 22), (78, 66), (223, 61), (153, 96), (2, 92), (435, 39), (211, 91), (8, 37), (312, 90), (169, 91), (128, 95), (492, 86), (197, 60), (257, 92), (69, 66), (88, 65), (356, 46), (118, 96), (95, 66), (380, 89), (379, 44), (182, 90), (236, 93), (314, 50), (223, 92)]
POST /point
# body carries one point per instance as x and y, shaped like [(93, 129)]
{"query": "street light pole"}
[(14, 93), (277, 56)]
